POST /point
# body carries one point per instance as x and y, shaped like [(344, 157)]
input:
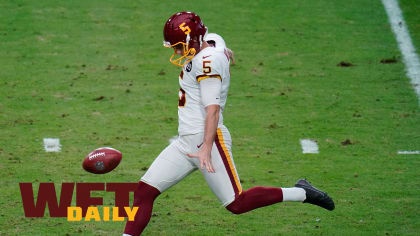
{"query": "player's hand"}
[(204, 156), (231, 55)]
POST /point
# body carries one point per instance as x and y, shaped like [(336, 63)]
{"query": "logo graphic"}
[(206, 56), (198, 146), (100, 165), (189, 67), (86, 205)]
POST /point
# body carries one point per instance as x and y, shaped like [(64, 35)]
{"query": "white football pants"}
[(173, 164)]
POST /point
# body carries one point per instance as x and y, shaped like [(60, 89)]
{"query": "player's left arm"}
[(210, 97)]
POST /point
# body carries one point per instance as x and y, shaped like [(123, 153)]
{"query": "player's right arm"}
[(210, 97), (210, 88)]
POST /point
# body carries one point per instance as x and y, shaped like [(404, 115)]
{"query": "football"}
[(102, 160)]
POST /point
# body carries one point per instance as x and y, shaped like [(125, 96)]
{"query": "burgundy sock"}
[(255, 197), (144, 197)]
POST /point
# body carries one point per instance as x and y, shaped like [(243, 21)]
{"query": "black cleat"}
[(315, 196)]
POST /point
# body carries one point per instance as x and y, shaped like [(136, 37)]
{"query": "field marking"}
[(52, 145), (408, 152), (309, 146), (410, 57)]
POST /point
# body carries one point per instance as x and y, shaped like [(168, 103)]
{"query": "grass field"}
[(94, 73)]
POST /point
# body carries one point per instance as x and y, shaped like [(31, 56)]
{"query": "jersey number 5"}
[(206, 68)]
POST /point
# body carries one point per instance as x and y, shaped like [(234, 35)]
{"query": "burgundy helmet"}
[(186, 31)]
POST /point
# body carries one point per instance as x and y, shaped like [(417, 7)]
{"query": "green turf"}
[(411, 12), (58, 58)]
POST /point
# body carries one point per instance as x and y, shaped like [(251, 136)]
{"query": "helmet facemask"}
[(187, 52)]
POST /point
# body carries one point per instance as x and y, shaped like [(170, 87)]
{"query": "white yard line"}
[(52, 145), (408, 152), (309, 146), (410, 57)]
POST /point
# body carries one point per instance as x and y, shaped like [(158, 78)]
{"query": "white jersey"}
[(209, 63)]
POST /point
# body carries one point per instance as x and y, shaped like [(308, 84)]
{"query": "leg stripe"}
[(227, 160)]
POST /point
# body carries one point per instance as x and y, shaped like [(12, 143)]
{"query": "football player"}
[(204, 143)]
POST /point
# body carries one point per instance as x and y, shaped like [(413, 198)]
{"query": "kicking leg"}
[(227, 187), (257, 197)]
